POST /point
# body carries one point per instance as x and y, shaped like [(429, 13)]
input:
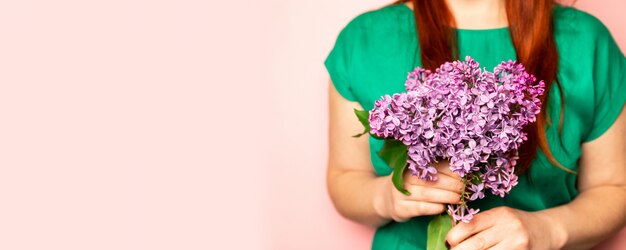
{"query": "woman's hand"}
[(503, 228), (427, 197)]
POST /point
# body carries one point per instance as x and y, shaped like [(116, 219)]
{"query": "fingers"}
[(404, 210), (483, 240), (443, 167), (500, 246), (508, 244), (432, 195), (445, 182), (497, 228), (463, 231)]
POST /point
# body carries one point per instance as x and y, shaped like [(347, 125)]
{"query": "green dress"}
[(375, 51)]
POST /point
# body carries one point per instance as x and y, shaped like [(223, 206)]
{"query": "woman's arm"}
[(351, 179), (597, 213), (355, 189)]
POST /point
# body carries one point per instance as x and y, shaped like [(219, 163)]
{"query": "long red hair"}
[(531, 29)]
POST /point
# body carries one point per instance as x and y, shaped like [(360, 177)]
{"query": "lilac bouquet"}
[(460, 113)]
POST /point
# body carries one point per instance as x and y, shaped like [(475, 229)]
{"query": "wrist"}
[(557, 231), (379, 201)]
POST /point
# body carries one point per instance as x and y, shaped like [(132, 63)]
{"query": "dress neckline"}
[(468, 31)]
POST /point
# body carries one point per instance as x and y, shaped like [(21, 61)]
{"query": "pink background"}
[(181, 124)]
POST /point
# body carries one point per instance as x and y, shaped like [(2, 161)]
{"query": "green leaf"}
[(364, 119), (395, 154), (437, 230), (398, 180)]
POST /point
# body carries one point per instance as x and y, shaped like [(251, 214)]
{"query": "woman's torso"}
[(386, 49)]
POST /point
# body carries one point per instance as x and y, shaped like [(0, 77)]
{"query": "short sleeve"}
[(609, 83), (338, 61)]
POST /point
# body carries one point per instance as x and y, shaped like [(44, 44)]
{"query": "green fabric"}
[(375, 51)]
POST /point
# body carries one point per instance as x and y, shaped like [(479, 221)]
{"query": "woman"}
[(572, 187)]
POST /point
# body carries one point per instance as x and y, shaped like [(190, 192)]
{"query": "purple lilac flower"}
[(477, 191), (469, 116), (460, 214)]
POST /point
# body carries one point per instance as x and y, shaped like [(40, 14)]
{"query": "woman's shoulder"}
[(382, 19), (591, 69), (375, 33), (571, 21)]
